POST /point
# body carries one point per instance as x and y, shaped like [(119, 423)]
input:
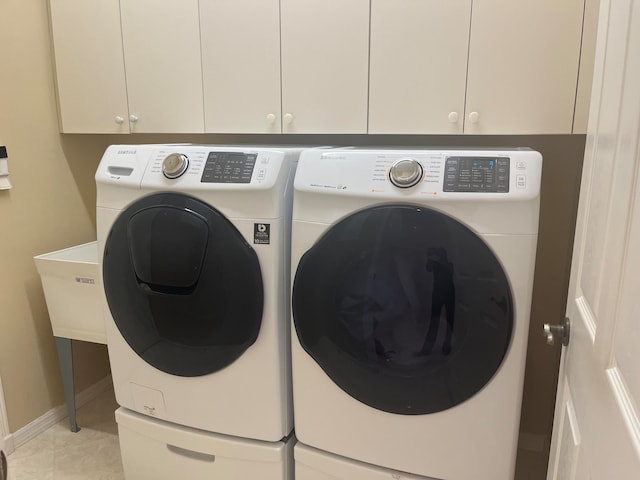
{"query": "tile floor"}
[(58, 454)]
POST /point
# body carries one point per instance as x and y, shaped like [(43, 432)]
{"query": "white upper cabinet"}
[(89, 67), (523, 66), (418, 66), (325, 65), (321, 66), (241, 65), (161, 41)]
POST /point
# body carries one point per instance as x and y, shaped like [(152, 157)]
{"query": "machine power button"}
[(175, 165), (405, 173)]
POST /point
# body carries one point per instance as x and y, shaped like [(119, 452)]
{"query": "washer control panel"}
[(476, 174), (229, 167)]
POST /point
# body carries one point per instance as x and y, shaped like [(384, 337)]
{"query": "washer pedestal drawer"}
[(153, 449)]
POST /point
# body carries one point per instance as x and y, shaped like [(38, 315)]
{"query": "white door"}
[(89, 66), (410, 93), (161, 41), (241, 65), (523, 66), (325, 65), (597, 429)]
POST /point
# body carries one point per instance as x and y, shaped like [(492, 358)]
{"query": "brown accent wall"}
[(52, 205)]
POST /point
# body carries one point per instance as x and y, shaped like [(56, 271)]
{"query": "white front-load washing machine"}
[(413, 274), (194, 255)]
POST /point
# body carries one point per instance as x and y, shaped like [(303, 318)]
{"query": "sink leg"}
[(65, 359)]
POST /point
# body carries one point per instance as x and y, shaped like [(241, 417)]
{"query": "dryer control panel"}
[(476, 174), (392, 174)]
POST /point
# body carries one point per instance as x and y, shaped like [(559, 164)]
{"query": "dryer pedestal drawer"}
[(314, 464), (153, 449)]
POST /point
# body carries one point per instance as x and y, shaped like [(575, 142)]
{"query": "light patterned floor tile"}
[(58, 454)]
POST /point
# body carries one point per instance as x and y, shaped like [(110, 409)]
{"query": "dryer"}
[(194, 255), (413, 274)]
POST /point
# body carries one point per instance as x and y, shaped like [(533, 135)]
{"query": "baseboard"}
[(53, 416)]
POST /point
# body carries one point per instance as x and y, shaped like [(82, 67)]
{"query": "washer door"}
[(183, 286), (404, 308)]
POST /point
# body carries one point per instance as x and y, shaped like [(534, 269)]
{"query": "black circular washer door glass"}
[(183, 285), (404, 308)]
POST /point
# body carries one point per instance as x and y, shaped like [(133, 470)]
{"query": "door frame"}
[(6, 440)]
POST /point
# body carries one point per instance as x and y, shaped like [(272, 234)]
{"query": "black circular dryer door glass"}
[(404, 308), (183, 286)]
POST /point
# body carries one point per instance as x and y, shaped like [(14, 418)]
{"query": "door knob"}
[(560, 332)]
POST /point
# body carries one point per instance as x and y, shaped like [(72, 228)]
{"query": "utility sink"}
[(71, 284)]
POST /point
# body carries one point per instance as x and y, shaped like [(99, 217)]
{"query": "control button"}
[(405, 173), (174, 165), (521, 181), (521, 165), (262, 173)]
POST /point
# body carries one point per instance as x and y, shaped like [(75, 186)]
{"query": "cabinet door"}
[(87, 43), (418, 65), (325, 65), (523, 66), (241, 65), (164, 71)]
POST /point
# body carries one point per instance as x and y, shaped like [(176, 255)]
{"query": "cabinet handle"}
[(133, 119), (271, 118), (474, 117), (288, 118), (453, 117), (119, 120)]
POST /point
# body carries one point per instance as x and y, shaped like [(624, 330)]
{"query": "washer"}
[(194, 244), (413, 274)]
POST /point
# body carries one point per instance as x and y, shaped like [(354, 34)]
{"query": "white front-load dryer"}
[(194, 255), (413, 274)]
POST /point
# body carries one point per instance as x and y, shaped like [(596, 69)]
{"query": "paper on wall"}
[(5, 184)]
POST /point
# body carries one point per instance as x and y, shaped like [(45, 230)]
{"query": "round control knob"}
[(405, 173), (175, 165)]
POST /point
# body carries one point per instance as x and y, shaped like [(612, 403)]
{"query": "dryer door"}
[(183, 286), (404, 308)]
